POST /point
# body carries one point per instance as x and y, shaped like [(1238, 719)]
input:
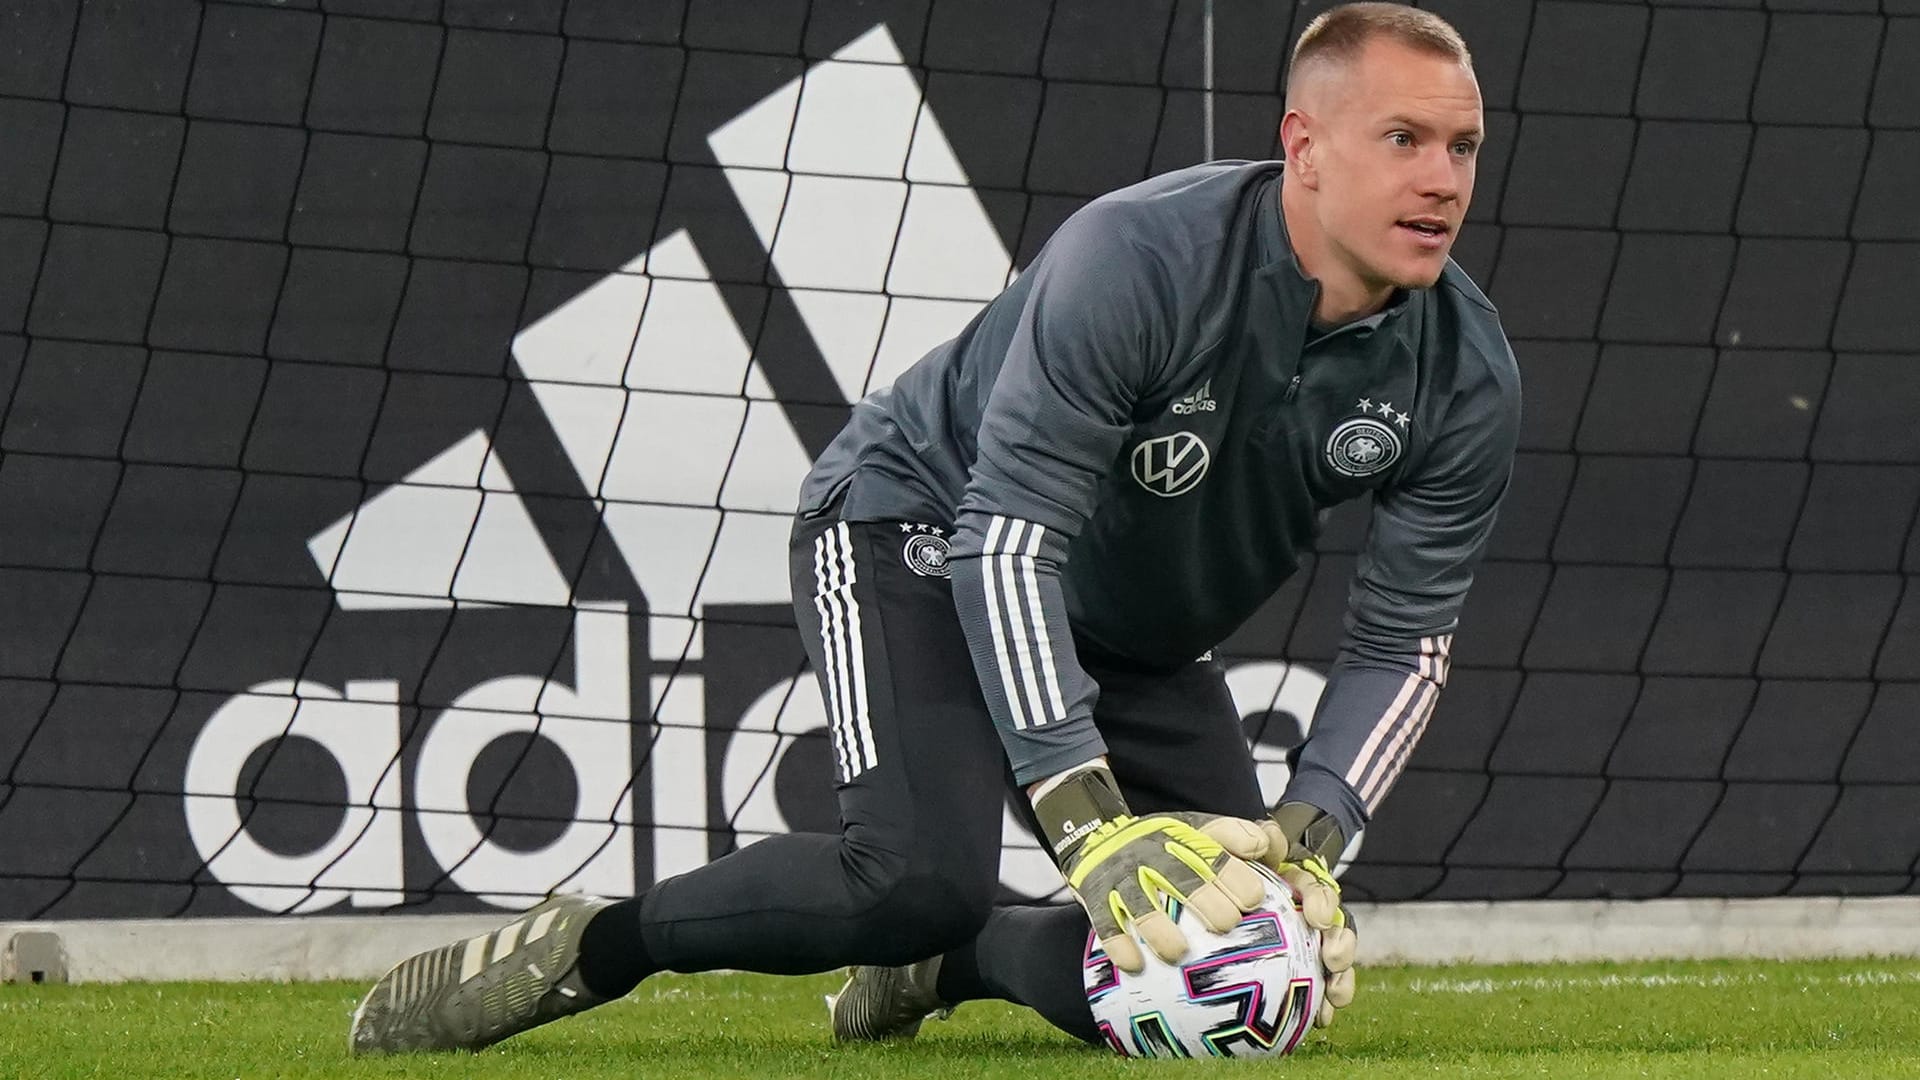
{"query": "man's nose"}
[(1439, 175)]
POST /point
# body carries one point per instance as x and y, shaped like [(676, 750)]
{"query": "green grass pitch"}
[(1674, 1020)]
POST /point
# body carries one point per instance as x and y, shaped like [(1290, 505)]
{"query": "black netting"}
[(403, 401)]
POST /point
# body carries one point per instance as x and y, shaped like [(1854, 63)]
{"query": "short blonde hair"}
[(1339, 34)]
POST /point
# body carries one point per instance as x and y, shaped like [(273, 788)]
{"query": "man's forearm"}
[(1371, 716), (1006, 590)]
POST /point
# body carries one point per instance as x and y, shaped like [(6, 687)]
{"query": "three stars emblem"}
[(1386, 411)]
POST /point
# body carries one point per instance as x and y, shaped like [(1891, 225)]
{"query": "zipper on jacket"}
[(1301, 343), (1299, 361)]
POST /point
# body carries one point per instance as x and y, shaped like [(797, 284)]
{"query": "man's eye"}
[(1465, 149), (1401, 138)]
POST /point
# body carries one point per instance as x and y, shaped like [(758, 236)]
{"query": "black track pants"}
[(922, 781)]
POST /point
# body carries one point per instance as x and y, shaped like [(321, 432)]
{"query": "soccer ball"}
[(1250, 992)]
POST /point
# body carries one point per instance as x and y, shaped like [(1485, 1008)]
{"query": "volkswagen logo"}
[(1171, 464)]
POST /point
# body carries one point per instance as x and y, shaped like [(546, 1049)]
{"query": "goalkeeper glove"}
[(1303, 842), (1123, 868)]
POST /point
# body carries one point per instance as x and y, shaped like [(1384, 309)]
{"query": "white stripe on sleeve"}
[(1394, 726), (990, 574), (1402, 748), (1381, 729), (1020, 626), (1042, 641)]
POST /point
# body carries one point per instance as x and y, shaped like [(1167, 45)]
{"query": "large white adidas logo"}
[(690, 460), (654, 393)]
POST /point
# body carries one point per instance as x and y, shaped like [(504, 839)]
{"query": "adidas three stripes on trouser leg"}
[(922, 782)]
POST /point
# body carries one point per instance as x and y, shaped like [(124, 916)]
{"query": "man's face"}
[(1396, 146)]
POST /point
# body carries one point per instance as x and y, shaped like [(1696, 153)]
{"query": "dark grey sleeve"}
[(1092, 331), (1426, 538)]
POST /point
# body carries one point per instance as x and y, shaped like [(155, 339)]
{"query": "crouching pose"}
[(1011, 567)]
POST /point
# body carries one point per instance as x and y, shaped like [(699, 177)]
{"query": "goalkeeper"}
[(1013, 565)]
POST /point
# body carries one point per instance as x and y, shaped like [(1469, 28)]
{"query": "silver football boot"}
[(880, 1003), (474, 993)]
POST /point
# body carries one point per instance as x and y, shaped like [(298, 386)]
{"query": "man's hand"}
[(1302, 844), (1122, 868)]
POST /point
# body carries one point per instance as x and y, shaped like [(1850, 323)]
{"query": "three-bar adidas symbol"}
[(1197, 402), (862, 208)]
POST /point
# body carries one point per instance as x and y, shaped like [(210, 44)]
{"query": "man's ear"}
[(1297, 143)]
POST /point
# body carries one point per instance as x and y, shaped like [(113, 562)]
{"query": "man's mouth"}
[(1426, 226)]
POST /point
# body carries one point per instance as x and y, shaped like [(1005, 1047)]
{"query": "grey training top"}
[(1135, 444)]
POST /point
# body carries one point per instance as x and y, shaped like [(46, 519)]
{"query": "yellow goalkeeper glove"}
[(1123, 868), (1303, 843)]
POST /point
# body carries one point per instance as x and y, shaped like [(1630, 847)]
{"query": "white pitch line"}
[(1608, 982)]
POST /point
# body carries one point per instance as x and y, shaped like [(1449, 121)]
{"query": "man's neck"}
[(1344, 297)]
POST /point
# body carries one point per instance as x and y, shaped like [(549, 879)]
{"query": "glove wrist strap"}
[(1071, 806), (1310, 831)]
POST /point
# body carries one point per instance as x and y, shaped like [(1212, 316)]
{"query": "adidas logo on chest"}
[(1199, 401)]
